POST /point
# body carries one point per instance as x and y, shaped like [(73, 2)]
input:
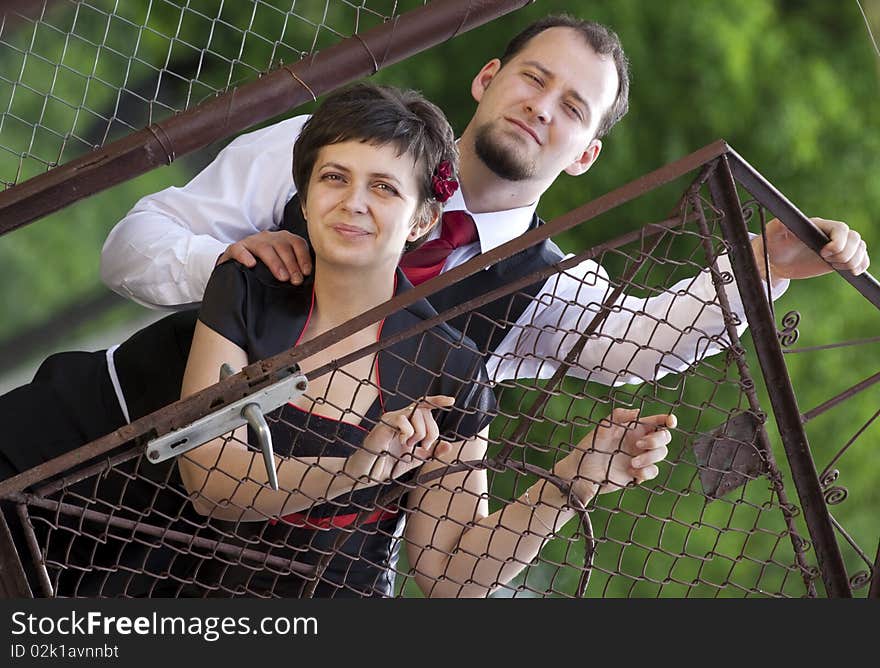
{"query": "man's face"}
[(538, 114)]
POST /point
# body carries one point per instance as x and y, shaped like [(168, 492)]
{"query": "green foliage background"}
[(792, 86)]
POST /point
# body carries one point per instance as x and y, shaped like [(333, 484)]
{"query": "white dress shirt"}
[(163, 252)]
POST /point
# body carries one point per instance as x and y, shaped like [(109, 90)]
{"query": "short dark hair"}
[(380, 115), (604, 42)]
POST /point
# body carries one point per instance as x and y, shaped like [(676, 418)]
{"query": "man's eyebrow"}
[(580, 100), (571, 91), (541, 68)]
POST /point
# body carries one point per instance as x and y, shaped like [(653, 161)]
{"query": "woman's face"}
[(362, 204)]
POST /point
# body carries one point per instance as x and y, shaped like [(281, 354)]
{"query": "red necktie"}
[(426, 261)]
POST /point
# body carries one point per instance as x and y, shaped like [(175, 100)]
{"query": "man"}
[(542, 109)]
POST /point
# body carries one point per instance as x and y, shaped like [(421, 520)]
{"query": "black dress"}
[(265, 317)]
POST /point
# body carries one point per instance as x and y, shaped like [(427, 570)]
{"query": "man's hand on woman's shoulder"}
[(286, 254)]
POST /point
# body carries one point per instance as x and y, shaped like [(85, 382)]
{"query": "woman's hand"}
[(622, 450), (402, 440)]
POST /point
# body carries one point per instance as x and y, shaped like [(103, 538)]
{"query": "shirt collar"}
[(495, 227)]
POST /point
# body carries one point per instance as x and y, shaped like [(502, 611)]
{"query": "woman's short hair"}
[(380, 115)]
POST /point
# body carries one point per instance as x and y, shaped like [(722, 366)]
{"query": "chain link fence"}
[(98, 93), (727, 516), (78, 75)]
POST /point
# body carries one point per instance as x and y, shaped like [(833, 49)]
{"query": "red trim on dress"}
[(379, 338), (338, 521), (308, 320)]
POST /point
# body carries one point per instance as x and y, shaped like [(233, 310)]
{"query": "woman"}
[(372, 167)]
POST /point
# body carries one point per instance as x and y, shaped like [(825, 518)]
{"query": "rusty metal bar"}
[(265, 372), (790, 216), (852, 543), (34, 547), (158, 532), (829, 346), (748, 387), (88, 471), (782, 397), (843, 396), (13, 581), (874, 591), (240, 108)]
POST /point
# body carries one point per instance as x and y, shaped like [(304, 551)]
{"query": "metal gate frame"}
[(722, 169)]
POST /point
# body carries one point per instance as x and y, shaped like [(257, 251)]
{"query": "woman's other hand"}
[(401, 441), (624, 449)]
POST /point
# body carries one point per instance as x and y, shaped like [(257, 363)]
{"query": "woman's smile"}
[(350, 231)]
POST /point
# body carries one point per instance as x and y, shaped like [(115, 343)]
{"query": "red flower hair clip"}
[(443, 183)]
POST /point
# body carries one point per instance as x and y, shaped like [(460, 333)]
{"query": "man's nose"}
[(539, 108)]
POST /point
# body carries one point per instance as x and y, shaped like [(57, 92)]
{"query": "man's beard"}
[(500, 158)]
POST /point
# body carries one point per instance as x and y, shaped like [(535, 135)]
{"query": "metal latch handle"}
[(249, 410), (257, 421)]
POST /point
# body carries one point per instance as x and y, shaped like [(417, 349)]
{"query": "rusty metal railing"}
[(274, 88), (726, 517)]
